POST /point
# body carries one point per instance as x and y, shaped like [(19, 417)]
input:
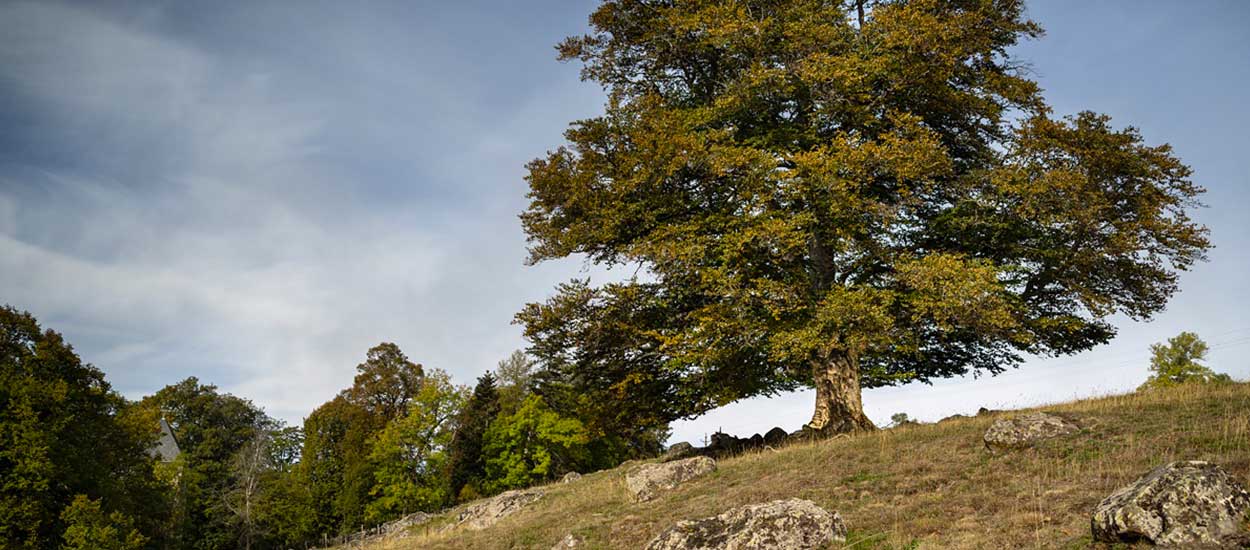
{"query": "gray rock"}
[(756, 441), (570, 477), (1186, 504), (775, 436), (569, 542), (400, 527), (679, 451), (481, 515), (646, 481), (724, 444), (1023, 431), (793, 524)]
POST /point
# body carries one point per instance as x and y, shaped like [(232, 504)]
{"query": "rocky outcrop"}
[(775, 437), (569, 542), (570, 477), (483, 514), (1182, 504), (401, 527), (723, 444), (647, 481), (1023, 431), (794, 524), (679, 451)]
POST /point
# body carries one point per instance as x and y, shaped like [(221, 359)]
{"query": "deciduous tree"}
[(61, 436), (823, 199), (1179, 362), (532, 445), (411, 453)]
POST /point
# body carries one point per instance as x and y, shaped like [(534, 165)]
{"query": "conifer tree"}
[(467, 465)]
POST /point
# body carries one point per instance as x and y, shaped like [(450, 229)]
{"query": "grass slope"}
[(926, 486)]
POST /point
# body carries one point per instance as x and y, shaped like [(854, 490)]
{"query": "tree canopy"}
[(1180, 362), (64, 448), (838, 195)]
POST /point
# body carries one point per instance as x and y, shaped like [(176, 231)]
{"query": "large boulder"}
[(645, 482), (570, 477), (1023, 431), (1183, 504), (775, 436), (723, 444), (679, 451), (481, 515), (793, 524)]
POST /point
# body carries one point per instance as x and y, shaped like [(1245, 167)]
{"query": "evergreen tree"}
[(838, 195), (466, 463)]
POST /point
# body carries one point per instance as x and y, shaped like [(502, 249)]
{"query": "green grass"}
[(915, 487)]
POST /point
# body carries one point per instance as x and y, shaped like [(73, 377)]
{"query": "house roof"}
[(166, 448)]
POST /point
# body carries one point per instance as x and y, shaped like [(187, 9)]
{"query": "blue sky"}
[(256, 192)]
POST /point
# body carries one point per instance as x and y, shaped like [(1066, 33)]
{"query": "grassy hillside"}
[(927, 486)]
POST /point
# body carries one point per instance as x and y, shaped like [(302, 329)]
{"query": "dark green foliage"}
[(335, 466), (211, 429), (467, 466), (61, 436)]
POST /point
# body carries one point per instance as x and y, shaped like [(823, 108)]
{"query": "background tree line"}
[(77, 468)]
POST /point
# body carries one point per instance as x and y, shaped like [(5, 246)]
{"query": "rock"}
[(679, 451), (399, 527), (793, 524), (1025, 430), (569, 542), (1185, 504), (483, 514), (756, 441), (570, 477), (724, 444), (645, 482), (984, 411), (775, 436), (952, 417)]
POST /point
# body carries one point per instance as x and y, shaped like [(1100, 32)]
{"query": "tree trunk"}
[(839, 407)]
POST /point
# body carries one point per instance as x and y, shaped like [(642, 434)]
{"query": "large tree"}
[(411, 453), (466, 464), (839, 195)]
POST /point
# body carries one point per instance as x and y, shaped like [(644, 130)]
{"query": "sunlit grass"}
[(926, 486)]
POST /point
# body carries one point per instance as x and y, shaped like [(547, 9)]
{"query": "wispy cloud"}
[(257, 192)]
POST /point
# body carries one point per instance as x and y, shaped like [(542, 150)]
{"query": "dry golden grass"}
[(927, 486)]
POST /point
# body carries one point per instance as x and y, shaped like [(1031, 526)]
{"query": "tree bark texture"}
[(839, 406)]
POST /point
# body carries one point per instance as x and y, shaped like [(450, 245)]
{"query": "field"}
[(924, 486)]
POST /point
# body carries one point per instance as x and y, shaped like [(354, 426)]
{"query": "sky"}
[(255, 193)]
